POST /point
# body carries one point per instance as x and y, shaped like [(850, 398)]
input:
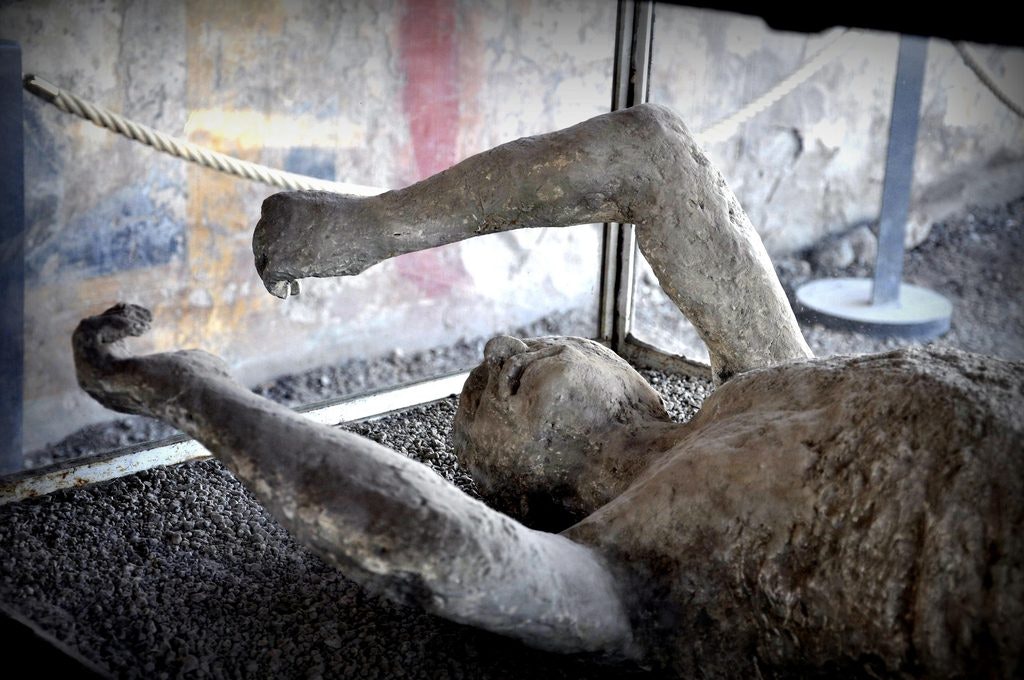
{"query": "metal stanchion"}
[(12, 256), (884, 306)]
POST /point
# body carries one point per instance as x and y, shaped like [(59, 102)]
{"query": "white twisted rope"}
[(720, 131), (70, 103), (726, 127), (987, 80)]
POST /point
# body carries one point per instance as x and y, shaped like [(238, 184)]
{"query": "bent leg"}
[(639, 165), (384, 520)]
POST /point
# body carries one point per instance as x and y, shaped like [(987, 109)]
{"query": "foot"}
[(118, 380)]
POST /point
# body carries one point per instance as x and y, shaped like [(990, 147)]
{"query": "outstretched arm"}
[(639, 165), (382, 519)]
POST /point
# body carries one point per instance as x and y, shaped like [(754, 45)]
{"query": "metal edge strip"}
[(644, 355), (82, 472)]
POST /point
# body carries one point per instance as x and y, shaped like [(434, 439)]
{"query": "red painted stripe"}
[(430, 99)]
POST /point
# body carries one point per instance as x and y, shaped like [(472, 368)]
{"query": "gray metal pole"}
[(899, 169), (630, 73), (12, 257), (885, 307)]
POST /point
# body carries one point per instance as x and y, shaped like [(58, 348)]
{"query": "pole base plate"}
[(845, 304)]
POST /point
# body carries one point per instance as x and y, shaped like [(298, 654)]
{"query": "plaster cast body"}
[(830, 514)]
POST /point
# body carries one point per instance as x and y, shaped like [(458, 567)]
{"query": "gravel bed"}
[(178, 572), (682, 394)]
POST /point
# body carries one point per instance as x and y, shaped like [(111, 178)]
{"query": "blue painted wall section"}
[(121, 230), (12, 239), (124, 230), (305, 160)]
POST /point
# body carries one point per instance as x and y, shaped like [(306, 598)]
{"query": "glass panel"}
[(808, 167), (379, 94)]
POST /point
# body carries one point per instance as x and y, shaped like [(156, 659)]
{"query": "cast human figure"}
[(842, 512)]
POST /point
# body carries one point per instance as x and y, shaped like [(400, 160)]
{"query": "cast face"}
[(535, 416)]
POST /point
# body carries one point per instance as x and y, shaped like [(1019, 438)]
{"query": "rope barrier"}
[(720, 131), (105, 118), (987, 79), (723, 129)]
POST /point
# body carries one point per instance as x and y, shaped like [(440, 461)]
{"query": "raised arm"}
[(384, 520), (639, 166)]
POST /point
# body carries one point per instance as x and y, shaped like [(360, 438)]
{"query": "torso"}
[(861, 509)]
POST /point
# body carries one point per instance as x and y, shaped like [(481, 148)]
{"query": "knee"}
[(659, 122)]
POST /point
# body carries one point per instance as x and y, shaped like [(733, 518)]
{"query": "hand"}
[(145, 385), (315, 233)]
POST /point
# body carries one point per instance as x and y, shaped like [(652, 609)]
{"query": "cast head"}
[(544, 427)]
